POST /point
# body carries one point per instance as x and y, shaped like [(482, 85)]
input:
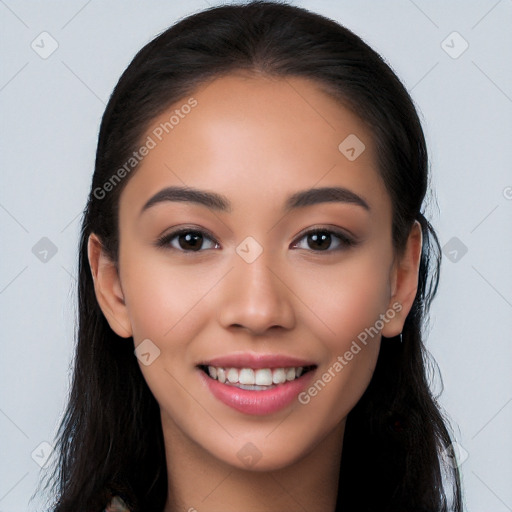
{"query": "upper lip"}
[(252, 360)]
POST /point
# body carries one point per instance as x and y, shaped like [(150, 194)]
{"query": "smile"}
[(253, 379), (256, 385)]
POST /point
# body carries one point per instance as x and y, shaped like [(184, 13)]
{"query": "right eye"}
[(187, 240)]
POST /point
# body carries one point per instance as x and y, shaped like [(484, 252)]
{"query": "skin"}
[(256, 140)]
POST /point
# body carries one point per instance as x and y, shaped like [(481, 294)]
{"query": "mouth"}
[(255, 379), (254, 384)]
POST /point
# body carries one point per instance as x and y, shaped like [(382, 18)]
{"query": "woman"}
[(255, 269)]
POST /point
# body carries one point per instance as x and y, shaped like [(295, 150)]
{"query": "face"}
[(277, 272)]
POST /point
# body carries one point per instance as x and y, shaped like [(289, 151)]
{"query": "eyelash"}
[(345, 241)]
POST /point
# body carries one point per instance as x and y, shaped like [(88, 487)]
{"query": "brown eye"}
[(187, 240), (319, 241), (190, 241), (324, 240)]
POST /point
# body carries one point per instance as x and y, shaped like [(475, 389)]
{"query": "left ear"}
[(404, 282)]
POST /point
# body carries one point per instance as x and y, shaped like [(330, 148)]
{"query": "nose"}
[(255, 297)]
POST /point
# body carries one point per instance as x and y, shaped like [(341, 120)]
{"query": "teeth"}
[(212, 371), (253, 388), (247, 378), (263, 377), (232, 375), (290, 374), (278, 376), (221, 375)]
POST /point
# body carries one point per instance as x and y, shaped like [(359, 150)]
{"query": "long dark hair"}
[(110, 440)]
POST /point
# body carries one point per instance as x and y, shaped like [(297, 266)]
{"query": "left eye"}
[(324, 240)]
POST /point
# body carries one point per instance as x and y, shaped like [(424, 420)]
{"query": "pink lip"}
[(257, 402), (255, 361)]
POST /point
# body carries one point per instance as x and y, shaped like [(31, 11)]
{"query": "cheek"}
[(167, 304), (164, 300), (346, 298)]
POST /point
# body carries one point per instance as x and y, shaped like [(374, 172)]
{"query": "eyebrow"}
[(218, 202), (211, 200), (324, 195)]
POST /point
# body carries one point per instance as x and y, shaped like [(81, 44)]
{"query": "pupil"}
[(320, 241), (191, 241)]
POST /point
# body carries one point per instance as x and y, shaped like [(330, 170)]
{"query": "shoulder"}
[(116, 505)]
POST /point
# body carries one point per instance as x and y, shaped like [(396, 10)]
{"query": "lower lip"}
[(257, 402)]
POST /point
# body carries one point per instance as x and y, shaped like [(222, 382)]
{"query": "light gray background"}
[(50, 114)]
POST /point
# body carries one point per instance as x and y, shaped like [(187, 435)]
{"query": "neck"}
[(199, 482)]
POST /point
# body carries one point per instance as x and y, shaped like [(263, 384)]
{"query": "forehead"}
[(257, 139)]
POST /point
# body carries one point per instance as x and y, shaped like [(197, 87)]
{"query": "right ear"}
[(107, 287)]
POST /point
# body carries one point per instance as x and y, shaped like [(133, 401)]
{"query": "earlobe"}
[(107, 287), (405, 282)]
